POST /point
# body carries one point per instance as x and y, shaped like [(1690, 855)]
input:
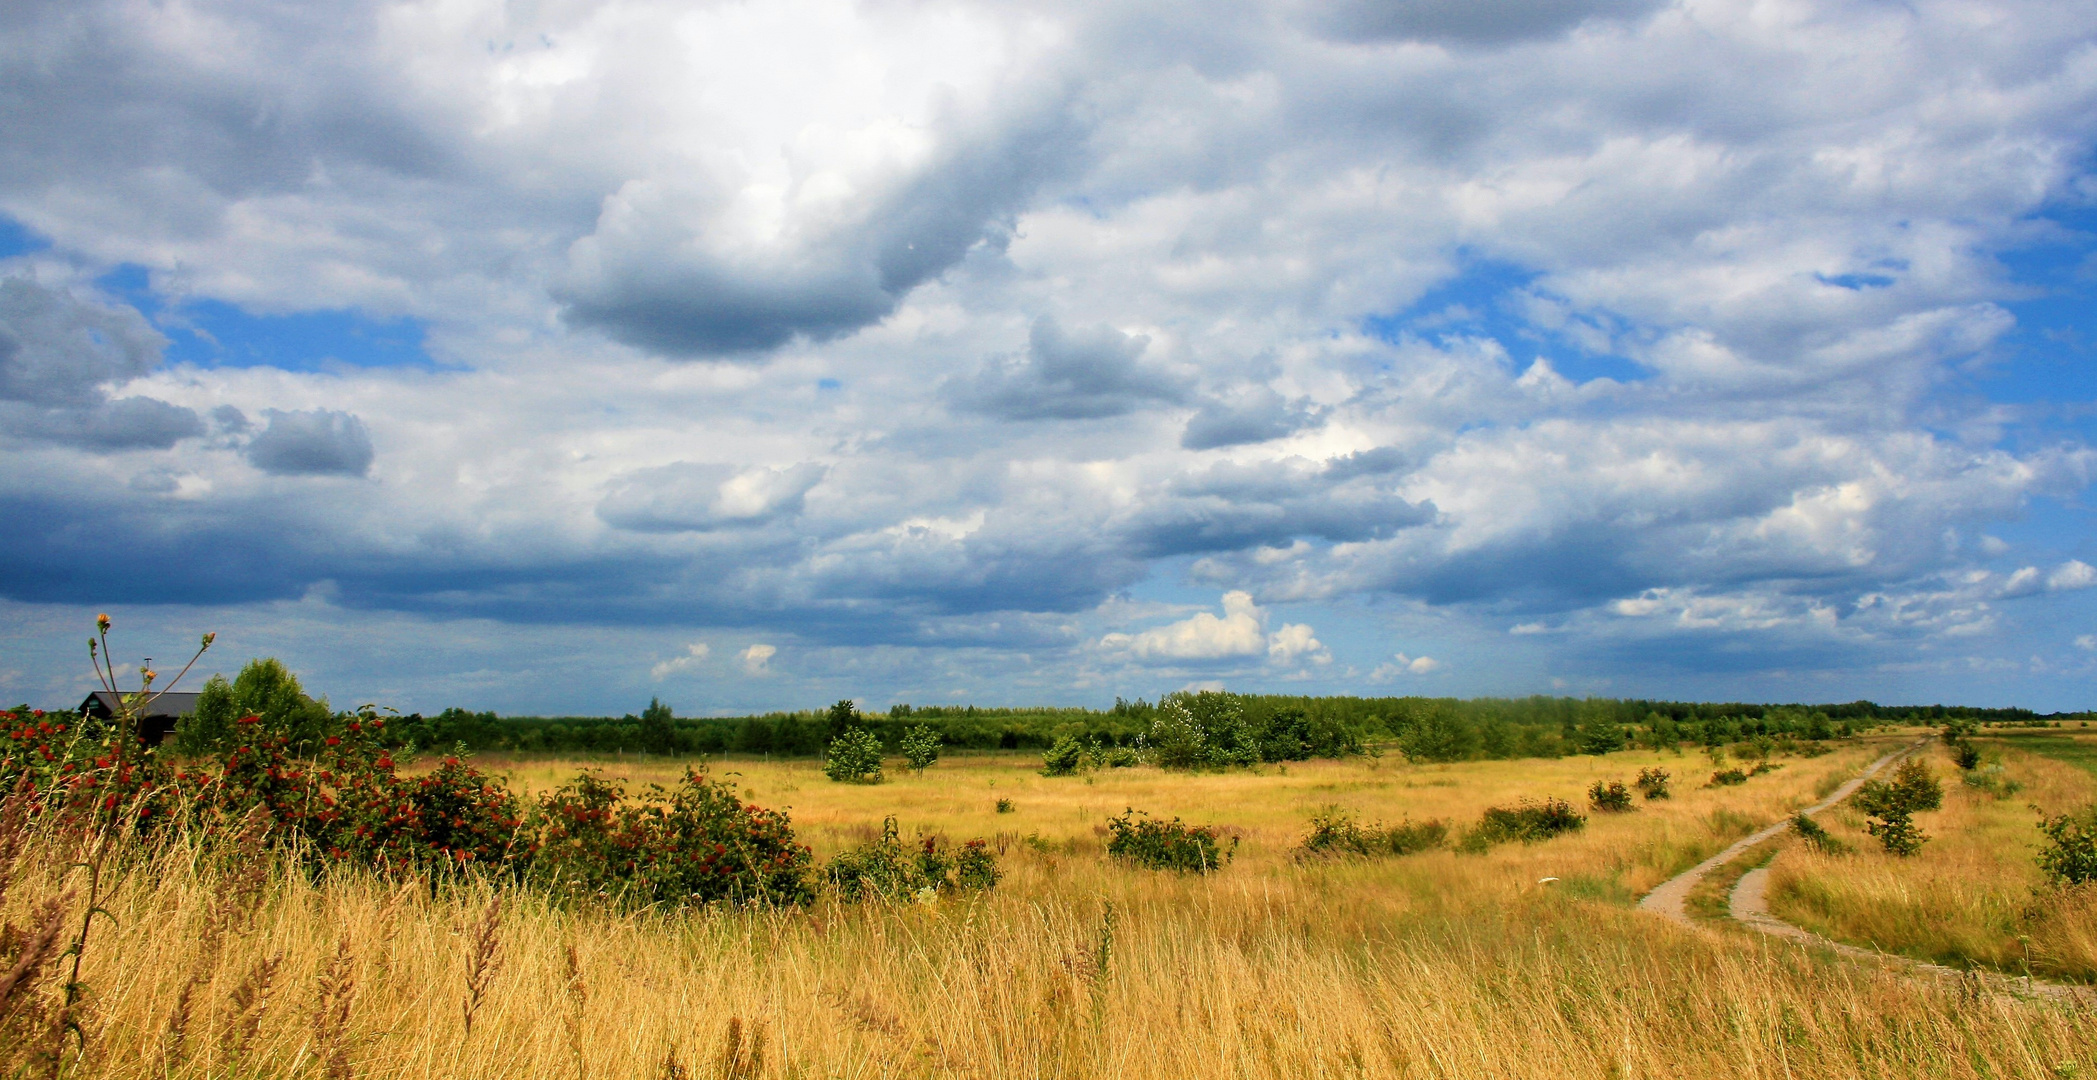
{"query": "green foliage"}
[(1727, 778), (658, 730), (1993, 779), (884, 869), (1965, 755), (1206, 729), (1004, 806), (1652, 783), (1817, 838), (1435, 733), (1528, 822), (1609, 798), (1173, 845), (264, 689), (1600, 733), (2070, 854), (1066, 757), (921, 747), (1335, 833), (1891, 806), (855, 757)]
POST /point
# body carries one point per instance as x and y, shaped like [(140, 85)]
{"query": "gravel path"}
[(1668, 900), (1749, 905)]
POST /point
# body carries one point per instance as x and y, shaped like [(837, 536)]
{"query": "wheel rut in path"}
[(1748, 904)]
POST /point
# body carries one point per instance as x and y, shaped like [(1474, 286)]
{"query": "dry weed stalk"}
[(483, 958), (250, 1000), (14, 830), (741, 1059), (674, 1069), (33, 952), (337, 989), (578, 997)]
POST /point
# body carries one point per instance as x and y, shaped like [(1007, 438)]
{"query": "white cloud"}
[(1240, 632), (2086, 642), (693, 654), (1294, 643), (757, 659), (2073, 574)]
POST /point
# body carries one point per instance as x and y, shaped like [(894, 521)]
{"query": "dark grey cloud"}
[(1466, 22), (651, 279), (1255, 417), (131, 423), (314, 442), (699, 497), (1232, 507), (57, 349), (1087, 374)]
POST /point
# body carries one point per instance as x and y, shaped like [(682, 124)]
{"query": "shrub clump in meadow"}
[(2070, 854), (1065, 757), (1890, 807), (1138, 838), (1611, 797), (1527, 822), (1335, 834), (1727, 778), (1815, 837), (854, 757), (1652, 783), (1992, 779), (1210, 729), (921, 748), (885, 869)]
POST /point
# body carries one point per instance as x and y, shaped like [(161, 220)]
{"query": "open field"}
[(1973, 894), (1434, 965)]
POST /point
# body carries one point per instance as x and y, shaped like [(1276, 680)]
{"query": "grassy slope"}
[(1437, 965), (1973, 895)]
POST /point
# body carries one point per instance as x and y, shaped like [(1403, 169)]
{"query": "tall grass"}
[(1972, 895), (1441, 964)]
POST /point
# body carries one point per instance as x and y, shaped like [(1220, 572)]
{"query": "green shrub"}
[(920, 747), (1065, 757), (1610, 798), (1890, 807), (1652, 783), (855, 757), (2070, 854), (1727, 778), (1817, 838), (1334, 833), (1965, 755), (1762, 767), (884, 869), (1005, 806), (1993, 779), (1166, 845), (1528, 822), (1203, 730)]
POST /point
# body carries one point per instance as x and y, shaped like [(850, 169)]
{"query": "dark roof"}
[(103, 703)]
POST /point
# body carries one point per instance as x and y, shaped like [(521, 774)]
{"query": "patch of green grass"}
[(2079, 752)]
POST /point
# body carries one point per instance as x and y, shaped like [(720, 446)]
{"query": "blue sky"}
[(552, 358)]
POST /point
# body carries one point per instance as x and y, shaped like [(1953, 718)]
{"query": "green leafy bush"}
[(1065, 757), (2070, 854), (1815, 837), (1335, 833), (1890, 807), (1965, 755), (266, 690), (920, 747), (1138, 838), (886, 869), (1652, 783), (1992, 779), (855, 757), (1610, 798), (1527, 822), (1727, 778), (1004, 806)]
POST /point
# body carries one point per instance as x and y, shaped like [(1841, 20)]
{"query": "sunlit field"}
[(1432, 965), (1974, 894)]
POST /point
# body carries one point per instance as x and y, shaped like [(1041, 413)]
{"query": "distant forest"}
[(1475, 728)]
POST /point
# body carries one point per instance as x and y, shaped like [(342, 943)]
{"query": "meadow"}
[(1523, 961)]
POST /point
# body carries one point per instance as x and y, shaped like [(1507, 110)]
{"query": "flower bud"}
[(102, 622)]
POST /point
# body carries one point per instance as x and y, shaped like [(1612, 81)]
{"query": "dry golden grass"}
[(1973, 895), (1439, 965)]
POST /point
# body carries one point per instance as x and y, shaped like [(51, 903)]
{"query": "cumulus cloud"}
[(757, 659), (1239, 634), (699, 496), (311, 442), (1086, 374), (694, 654), (1403, 665), (1256, 417), (1295, 643), (60, 353)]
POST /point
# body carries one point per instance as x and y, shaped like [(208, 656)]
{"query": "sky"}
[(550, 356)]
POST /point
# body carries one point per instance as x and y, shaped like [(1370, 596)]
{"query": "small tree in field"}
[(1891, 807), (920, 747), (855, 757)]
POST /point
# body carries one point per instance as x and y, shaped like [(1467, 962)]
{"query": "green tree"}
[(920, 747), (854, 757), (1599, 732), (843, 717), (1435, 733), (658, 733), (1891, 807), (264, 689)]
